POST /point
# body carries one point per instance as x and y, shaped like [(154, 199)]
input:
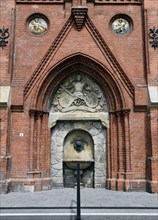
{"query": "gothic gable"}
[(116, 69)]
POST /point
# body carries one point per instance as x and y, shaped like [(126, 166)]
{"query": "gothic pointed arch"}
[(79, 63)]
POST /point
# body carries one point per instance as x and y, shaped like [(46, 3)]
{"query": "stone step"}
[(73, 217), (86, 214)]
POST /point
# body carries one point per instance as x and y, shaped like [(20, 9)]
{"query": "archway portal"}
[(78, 120)]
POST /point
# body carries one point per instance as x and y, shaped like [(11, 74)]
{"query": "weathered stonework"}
[(98, 135), (5, 95)]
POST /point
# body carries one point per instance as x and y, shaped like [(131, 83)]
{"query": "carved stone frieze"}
[(78, 93), (79, 15)]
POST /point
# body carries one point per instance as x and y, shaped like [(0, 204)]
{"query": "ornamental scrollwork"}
[(4, 35), (153, 33)]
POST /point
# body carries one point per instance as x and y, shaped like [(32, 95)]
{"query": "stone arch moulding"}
[(118, 134)]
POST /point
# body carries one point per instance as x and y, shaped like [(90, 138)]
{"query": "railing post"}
[(78, 193)]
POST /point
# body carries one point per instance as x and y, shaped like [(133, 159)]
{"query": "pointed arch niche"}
[(97, 98)]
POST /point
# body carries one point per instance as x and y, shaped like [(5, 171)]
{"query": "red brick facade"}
[(79, 39)]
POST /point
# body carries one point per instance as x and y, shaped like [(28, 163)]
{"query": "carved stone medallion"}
[(120, 26), (37, 26)]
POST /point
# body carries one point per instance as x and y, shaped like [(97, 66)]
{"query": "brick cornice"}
[(36, 113), (118, 1), (140, 108), (126, 112), (96, 1), (121, 112), (17, 108), (39, 1)]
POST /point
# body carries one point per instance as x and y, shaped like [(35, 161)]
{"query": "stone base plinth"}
[(133, 185), (42, 184), (26, 185)]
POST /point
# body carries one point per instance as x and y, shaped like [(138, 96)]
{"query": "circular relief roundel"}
[(120, 26), (37, 25)]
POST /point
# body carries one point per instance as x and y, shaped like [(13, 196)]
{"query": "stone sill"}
[(77, 160), (153, 158), (79, 116), (34, 172)]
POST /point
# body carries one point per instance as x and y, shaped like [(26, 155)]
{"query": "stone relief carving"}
[(37, 25), (120, 26), (79, 93)]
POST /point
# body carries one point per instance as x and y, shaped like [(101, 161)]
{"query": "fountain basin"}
[(72, 163)]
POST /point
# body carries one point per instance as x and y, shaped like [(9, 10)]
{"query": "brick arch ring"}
[(73, 64)]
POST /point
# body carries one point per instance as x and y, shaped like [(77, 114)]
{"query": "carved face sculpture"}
[(78, 145)]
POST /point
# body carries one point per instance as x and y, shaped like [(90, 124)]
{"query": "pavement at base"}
[(96, 204)]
